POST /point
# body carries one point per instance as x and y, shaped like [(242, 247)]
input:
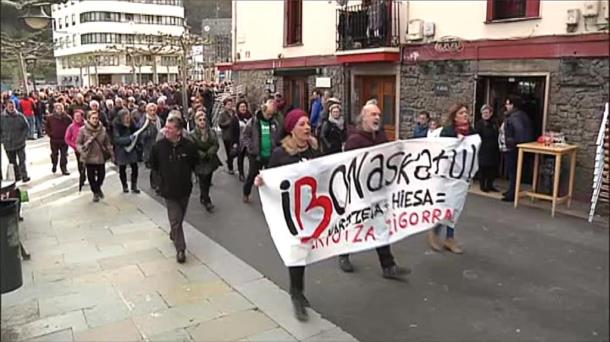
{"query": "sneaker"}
[(395, 272), (345, 265), (209, 206), (96, 198), (300, 311)]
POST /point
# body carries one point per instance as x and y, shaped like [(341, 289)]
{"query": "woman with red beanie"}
[(297, 146)]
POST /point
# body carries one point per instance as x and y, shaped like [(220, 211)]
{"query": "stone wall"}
[(578, 90), (417, 90), (254, 84)]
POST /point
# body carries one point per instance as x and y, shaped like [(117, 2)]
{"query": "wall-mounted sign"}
[(441, 89), (323, 82), (449, 44)]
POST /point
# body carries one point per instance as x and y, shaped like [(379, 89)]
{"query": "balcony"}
[(373, 24)]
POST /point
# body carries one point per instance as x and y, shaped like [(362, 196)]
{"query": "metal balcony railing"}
[(371, 25)]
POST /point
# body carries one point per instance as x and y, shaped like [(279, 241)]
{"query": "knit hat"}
[(292, 118)]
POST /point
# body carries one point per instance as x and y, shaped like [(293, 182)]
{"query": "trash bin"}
[(11, 277)]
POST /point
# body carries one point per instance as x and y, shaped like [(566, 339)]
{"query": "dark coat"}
[(74, 106), (252, 134), (14, 130), (280, 156), (489, 154), (449, 132), (332, 137), (518, 129), (122, 139), (361, 139), (207, 151), (175, 164), (229, 124), (56, 126)]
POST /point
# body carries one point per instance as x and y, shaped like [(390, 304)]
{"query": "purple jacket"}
[(361, 139)]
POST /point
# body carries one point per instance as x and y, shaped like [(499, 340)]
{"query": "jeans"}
[(96, 174), (204, 186), (450, 231), (19, 168), (255, 166), (134, 175), (511, 168), (243, 153), (59, 151), (39, 126), (32, 123), (176, 211)]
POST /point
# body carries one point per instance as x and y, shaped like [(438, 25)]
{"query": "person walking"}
[(244, 115), (333, 134), (457, 126), (42, 109), (56, 126), (206, 141), (147, 139), (174, 159), (260, 137), (489, 153), (298, 145), (123, 130), (70, 138), (369, 133), (95, 149), (518, 129), (421, 127), (229, 124), (316, 109), (14, 130), (27, 106)]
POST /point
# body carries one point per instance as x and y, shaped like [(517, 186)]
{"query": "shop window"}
[(512, 9), (293, 22)]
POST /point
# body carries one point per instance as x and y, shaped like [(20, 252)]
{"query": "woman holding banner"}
[(458, 126), (297, 146)]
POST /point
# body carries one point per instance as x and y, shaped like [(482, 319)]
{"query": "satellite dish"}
[(342, 2)]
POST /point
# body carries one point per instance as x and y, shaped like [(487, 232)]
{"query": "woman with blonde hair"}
[(95, 149)]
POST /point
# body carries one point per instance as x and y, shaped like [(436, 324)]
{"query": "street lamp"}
[(31, 61), (36, 17)]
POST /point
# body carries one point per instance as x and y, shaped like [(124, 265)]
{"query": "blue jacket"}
[(420, 131), (316, 109)]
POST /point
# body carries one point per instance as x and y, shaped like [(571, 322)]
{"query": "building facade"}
[(115, 41)]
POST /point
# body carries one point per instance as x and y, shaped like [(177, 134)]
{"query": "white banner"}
[(366, 198)]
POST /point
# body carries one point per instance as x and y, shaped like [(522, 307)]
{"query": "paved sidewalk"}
[(107, 272)]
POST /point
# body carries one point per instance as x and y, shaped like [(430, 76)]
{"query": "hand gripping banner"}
[(366, 198)]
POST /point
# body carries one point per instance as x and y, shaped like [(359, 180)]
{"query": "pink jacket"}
[(72, 134)]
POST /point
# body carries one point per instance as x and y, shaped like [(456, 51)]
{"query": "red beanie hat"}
[(292, 118)]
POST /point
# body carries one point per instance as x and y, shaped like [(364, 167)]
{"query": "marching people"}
[(298, 145), (489, 152), (333, 133), (42, 108), (70, 138), (244, 115), (229, 125), (125, 153), (14, 130), (316, 109), (95, 149), (56, 126), (79, 103), (27, 107), (518, 129), (147, 139), (369, 133), (174, 159), (260, 138), (206, 141), (457, 126)]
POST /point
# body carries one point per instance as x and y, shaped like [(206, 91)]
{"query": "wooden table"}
[(557, 150)]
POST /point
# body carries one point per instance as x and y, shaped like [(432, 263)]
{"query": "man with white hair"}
[(162, 109), (370, 133)]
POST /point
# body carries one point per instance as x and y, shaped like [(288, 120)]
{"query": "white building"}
[(84, 31)]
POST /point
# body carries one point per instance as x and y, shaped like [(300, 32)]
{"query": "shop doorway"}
[(296, 91), (382, 89), (104, 79)]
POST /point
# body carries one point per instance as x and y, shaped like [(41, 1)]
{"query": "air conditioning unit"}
[(591, 9), (429, 29), (573, 16), (604, 9), (415, 29)]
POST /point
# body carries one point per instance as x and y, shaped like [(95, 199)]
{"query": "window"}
[(59, 23), (512, 9), (74, 39), (73, 19), (54, 25), (67, 22), (293, 22)]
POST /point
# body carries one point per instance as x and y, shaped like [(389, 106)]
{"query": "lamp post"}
[(30, 60)]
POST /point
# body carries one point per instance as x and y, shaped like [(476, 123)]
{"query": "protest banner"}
[(366, 198)]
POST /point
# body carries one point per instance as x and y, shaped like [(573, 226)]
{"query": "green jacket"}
[(207, 151)]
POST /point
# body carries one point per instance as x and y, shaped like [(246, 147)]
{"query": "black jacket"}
[(332, 137), (280, 156), (489, 154), (175, 163), (518, 129)]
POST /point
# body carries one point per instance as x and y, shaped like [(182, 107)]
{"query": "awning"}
[(296, 72)]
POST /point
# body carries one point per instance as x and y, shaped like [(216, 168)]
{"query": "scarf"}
[(203, 133), (153, 119), (339, 122), (290, 144), (462, 128), (93, 129)]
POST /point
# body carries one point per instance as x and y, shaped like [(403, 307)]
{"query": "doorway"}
[(296, 91), (382, 89), (104, 79)]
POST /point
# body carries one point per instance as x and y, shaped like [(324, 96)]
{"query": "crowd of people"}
[(136, 125)]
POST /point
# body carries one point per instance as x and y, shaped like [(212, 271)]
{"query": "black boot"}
[(299, 303), (125, 188), (345, 265)]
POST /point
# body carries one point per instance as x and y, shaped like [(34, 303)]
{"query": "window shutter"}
[(532, 8)]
